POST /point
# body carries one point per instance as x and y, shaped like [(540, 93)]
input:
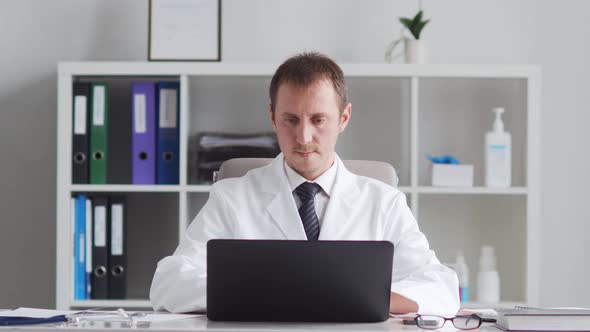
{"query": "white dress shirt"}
[(325, 181)]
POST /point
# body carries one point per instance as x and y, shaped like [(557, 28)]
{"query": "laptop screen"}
[(303, 281)]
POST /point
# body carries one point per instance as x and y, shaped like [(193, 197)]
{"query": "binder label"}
[(168, 106), (117, 229), (139, 113), (100, 223), (80, 115), (81, 248), (98, 106)]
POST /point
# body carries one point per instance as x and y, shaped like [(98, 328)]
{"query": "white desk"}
[(201, 324)]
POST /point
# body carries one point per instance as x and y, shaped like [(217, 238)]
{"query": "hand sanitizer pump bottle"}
[(498, 151)]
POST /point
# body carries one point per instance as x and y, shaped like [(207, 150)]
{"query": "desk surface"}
[(204, 325)]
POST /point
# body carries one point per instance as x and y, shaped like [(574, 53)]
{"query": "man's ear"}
[(271, 117), (345, 116)]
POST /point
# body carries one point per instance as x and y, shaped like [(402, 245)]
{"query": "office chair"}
[(378, 170)]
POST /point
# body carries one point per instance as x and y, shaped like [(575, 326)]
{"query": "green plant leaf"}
[(416, 20), (414, 25), (419, 28), (406, 22)]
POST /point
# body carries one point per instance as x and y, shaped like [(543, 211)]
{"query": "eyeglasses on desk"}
[(462, 322)]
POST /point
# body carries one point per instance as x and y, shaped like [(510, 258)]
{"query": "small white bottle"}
[(498, 152), (488, 279), (463, 276)]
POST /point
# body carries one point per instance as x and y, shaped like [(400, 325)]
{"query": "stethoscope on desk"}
[(73, 318)]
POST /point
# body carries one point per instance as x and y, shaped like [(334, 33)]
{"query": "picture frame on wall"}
[(184, 30)]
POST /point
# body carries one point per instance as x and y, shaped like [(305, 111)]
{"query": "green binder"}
[(98, 134)]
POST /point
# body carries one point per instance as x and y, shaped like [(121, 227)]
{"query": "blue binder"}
[(80, 249), (167, 101)]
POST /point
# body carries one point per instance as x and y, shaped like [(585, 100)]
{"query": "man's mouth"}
[(304, 153)]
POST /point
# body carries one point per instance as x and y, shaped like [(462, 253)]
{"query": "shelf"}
[(409, 110), (464, 190), (130, 68), (473, 190), (405, 189), (198, 188), (139, 188), (112, 304), (123, 188)]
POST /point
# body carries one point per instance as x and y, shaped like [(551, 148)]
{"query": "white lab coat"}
[(260, 205)]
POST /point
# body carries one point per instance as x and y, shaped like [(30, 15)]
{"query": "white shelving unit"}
[(400, 112)]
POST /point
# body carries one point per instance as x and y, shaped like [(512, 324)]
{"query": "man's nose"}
[(304, 134)]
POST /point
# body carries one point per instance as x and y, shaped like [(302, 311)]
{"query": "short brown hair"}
[(306, 69)]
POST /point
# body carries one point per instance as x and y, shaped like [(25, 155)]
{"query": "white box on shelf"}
[(452, 175)]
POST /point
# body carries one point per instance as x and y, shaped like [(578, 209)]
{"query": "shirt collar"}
[(325, 181)]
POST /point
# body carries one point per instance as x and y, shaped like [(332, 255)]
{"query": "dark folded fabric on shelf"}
[(211, 149)]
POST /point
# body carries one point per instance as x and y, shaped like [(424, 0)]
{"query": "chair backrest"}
[(379, 170)]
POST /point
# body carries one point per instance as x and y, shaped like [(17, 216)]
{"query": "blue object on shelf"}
[(446, 159)]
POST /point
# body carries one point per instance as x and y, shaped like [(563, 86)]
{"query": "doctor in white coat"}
[(309, 108)]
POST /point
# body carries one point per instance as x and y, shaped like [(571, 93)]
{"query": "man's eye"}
[(290, 120), (319, 120)]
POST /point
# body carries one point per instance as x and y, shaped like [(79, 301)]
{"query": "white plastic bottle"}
[(488, 279), (463, 276), (498, 152)]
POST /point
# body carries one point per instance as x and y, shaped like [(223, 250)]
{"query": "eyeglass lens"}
[(432, 322), (467, 322)]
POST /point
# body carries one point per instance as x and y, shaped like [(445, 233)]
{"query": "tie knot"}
[(307, 190)]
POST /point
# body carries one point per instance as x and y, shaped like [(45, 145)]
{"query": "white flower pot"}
[(416, 51)]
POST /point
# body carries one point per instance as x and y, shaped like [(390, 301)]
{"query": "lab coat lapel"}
[(282, 207), (339, 207)]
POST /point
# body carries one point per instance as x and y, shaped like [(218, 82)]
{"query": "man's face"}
[(307, 122)]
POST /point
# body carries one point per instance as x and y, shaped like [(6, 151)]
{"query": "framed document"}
[(184, 30)]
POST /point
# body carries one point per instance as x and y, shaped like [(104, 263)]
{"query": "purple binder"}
[(143, 133)]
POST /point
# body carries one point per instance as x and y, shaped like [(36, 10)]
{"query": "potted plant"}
[(414, 48)]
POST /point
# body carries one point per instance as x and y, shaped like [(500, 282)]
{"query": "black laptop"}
[(298, 281)]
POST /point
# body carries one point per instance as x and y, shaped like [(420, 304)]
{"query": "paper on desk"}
[(34, 312), (411, 315), (45, 313), (485, 311), (162, 317)]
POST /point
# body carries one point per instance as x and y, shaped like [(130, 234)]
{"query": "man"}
[(308, 109)]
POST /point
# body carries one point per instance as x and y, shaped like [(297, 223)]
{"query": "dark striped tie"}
[(306, 192)]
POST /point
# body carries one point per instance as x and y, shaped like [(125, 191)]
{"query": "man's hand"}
[(399, 304)]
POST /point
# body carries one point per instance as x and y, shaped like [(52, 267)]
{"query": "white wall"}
[(36, 34), (562, 47)]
